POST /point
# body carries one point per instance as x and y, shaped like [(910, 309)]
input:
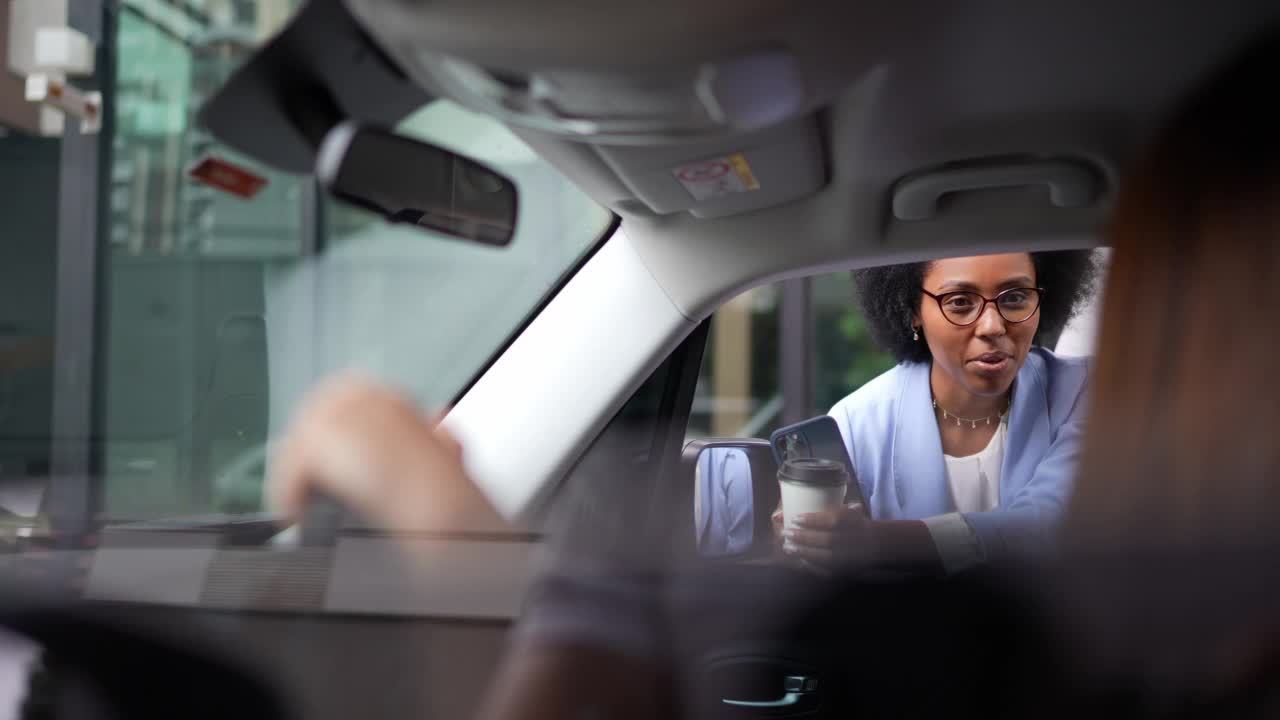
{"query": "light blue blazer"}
[(892, 435)]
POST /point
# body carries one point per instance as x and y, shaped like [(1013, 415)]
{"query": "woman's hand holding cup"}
[(813, 526), (830, 539)]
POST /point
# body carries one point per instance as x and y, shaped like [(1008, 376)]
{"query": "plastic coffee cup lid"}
[(813, 471)]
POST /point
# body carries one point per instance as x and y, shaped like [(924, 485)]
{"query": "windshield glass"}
[(204, 316)]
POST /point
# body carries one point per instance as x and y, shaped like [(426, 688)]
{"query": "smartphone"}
[(817, 437)]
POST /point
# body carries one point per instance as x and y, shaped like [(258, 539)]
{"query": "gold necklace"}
[(973, 422)]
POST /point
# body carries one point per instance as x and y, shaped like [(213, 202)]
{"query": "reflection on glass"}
[(219, 316), (723, 501), (185, 357)]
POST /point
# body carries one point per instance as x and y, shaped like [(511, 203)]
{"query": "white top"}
[(975, 479), (975, 487)]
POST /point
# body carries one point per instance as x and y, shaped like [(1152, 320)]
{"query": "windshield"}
[(205, 316)]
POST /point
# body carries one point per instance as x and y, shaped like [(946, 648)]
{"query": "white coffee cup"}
[(810, 485)]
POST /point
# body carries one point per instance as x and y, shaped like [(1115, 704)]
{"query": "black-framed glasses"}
[(962, 308)]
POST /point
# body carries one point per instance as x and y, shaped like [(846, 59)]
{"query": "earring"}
[(915, 334)]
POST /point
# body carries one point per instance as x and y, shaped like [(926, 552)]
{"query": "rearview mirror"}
[(735, 491), (410, 181)]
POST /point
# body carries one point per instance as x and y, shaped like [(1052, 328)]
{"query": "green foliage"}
[(845, 356)]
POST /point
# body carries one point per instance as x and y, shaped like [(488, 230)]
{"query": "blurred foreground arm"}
[(378, 455), (375, 453)]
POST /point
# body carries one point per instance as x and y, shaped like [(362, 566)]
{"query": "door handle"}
[(796, 687), (790, 698)]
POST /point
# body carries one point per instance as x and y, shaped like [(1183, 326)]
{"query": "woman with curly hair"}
[(966, 449)]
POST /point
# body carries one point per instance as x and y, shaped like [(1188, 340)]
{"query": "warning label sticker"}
[(717, 177)]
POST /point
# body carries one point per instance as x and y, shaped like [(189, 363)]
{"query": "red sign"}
[(228, 177)]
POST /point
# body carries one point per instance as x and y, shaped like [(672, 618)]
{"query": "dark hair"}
[(1180, 463), (1193, 395), (890, 295)]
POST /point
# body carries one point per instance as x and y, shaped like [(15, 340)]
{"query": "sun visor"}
[(320, 70), (742, 173)]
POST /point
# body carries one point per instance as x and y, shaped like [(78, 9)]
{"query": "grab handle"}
[(1071, 184)]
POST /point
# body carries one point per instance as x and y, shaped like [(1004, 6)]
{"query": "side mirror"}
[(410, 181), (735, 491)]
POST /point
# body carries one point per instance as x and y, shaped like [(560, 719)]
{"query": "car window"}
[(788, 351), (212, 313), (781, 353)]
